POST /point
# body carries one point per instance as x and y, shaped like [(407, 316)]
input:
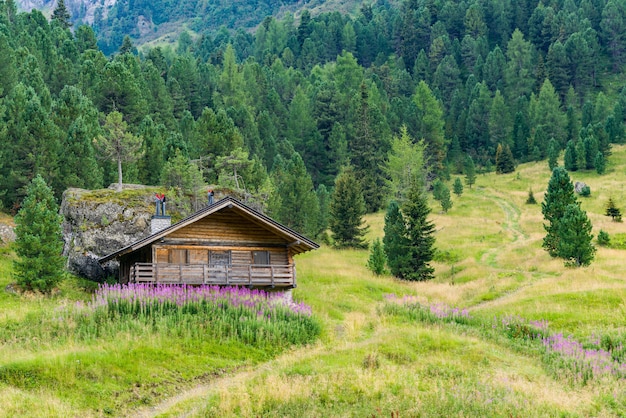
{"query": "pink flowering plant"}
[(564, 356), (251, 316), (187, 313)]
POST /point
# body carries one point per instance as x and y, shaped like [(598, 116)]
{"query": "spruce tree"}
[(504, 160), (445, 201), (38, 243), (575, 238), (613, 211), (470, 172), (347, 207), (377, 260), (569, 160), (531, 198), (553, 154), (600, 163), (458, 187), (559, 195), (420, 235), (395, 241), (62, 15)]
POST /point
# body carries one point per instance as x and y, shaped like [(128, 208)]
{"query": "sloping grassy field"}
[(370, 361)]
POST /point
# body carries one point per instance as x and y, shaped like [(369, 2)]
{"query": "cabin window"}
[(179, 256), (221, 258), (260, 257)]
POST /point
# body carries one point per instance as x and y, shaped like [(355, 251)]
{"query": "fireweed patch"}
[(563, 355), (256, 317)]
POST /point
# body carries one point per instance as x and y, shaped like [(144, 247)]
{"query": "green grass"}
[(366, 362)]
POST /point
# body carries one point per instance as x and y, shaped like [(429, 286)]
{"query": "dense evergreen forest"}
[(280, 111)]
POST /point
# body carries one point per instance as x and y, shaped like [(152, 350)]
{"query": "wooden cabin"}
[(226, 243)]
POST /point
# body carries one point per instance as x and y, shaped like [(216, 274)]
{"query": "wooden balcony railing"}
[(214, 274)]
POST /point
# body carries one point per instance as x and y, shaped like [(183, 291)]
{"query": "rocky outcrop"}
[(97, 223), (7, 232), (579, 186)]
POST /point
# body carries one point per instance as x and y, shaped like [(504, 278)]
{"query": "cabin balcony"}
[(257, 275)]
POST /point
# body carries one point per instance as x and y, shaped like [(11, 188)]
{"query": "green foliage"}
[(445, 201), (118, 144), (604, 240), (570, 161), (600, 163), (558, 196), (531, 198), (179, 173), (457, 187), (504, 160), (395, 241), (574, 237), (585, 191), (613, 211), (293, 201), (470, 172), (409, 240), (553, 154), (39, 242), (377, 259), (404, 165), (346, 211)]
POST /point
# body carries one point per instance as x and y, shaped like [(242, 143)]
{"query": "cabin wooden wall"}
[(164, 253), (226, 226)]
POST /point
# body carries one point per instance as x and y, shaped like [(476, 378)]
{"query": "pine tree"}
[(559, 195), (347, 207), (117, 144), (575, 238), (377, 260), (470, 172), (458, 187), (531, 198), (39, 243), (420, 235)]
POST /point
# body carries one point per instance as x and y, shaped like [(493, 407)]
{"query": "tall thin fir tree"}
[(470, 172), (420, 234), (395, 241), (39, 242), (347, 207)]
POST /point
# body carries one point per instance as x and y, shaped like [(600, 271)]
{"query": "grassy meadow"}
[(376, 354)]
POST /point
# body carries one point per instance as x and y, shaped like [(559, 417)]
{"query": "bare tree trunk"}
[(119, 175)]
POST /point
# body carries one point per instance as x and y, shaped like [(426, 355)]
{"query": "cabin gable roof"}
[(278, 233)]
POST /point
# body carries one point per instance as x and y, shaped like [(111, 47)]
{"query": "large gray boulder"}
[(99, 222)]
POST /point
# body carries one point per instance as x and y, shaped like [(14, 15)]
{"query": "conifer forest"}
[(279, 109)]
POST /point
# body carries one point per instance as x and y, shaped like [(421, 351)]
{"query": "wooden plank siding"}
[(227, 226), (217, 249)]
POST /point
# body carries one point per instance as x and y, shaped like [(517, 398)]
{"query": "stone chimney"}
[(159, 223)]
